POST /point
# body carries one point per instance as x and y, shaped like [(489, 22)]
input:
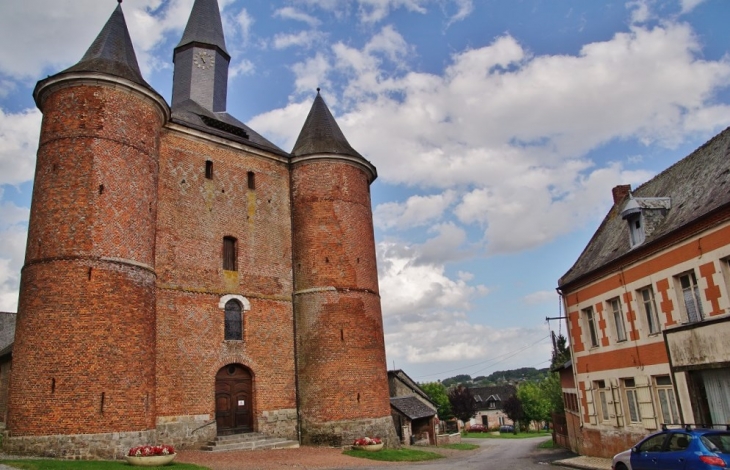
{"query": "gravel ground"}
[(285, 459)]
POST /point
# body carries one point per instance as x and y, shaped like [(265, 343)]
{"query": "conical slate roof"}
[(321, 134), (204, 26), (112, 52)]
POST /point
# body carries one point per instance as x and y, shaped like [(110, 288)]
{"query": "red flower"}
[(367, 441), (147, 451)]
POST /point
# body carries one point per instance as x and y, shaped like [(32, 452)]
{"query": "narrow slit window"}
[(209, 170), (229, 254), (251, 180)]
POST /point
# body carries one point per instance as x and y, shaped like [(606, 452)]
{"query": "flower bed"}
[(150, 456), (368, 443)]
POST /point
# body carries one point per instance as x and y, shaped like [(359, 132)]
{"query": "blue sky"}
[(498, 128)]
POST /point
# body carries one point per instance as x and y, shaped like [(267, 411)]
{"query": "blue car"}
[(678, 449)]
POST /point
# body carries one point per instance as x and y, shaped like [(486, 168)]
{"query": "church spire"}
[(204, 26), (201, 60), (112, 52), (321, 134)]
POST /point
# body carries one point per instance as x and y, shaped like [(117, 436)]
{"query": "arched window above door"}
[(234, 309), (233, 321)]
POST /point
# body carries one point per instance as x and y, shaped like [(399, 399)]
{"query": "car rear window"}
[(717, 442)]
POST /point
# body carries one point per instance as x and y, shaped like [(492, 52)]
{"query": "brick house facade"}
[(185, 277), (647, 304)]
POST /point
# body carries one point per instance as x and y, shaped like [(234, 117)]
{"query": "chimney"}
[(620, 192)]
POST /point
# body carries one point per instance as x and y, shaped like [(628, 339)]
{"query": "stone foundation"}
[(279, 423), (178, 431), (186, 431), (108, 446), (343, 433)]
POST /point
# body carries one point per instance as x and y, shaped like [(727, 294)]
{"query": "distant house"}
[(414, 414), (489, 401), (648, 307)]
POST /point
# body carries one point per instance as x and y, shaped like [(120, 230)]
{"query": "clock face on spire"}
[(204, 59)]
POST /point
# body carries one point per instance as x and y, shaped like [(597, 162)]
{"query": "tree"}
[(462, 402), (512, 407), (456, 380), (561, 353), (437, 393), (553, 392), (535, 405)]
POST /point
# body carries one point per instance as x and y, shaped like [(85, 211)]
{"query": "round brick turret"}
[(341, 366), (84, 358)]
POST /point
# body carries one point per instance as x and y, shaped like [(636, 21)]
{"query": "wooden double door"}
[(233, 400)]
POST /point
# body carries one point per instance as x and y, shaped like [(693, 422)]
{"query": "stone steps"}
[(248, 441)]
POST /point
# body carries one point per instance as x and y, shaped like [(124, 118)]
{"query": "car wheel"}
[(621, 466)]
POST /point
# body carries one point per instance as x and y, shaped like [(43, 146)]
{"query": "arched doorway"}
[(233, 400)]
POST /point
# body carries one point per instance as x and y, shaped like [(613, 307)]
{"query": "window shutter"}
[(590, 404), (646, 404)]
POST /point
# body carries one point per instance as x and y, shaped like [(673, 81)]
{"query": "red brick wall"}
[(88, 267), (195, 214), (342, 370)]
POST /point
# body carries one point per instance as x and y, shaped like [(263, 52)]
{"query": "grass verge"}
[(395, 455), (461, 446), (88, 465), (549, 444), (506, 435)]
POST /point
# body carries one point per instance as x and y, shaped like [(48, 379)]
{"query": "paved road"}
[(495, 454)]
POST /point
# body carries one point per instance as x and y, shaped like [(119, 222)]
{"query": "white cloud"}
[(311, 74), (464, 9), (291, 13), (541, 297), (372, 11), (689, 5), (244, 21), (305, 39), (13, 234), (270, 123), (241, 67), (507, 131), (18, 145), (640, 10), (426, 313), (416, 211)]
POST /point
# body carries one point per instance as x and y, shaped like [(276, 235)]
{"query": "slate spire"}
[(321, 134), (112, 52), (204, 26)]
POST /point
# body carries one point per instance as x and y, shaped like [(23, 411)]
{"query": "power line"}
[(508, 354), (512, 355)]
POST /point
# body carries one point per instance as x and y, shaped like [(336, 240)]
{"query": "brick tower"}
[(185, 278), (84, 354), (342, 373)]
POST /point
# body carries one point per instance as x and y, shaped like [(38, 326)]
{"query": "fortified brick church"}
[(186, 278)]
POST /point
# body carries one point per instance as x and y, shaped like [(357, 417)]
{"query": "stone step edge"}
[(250, 446)]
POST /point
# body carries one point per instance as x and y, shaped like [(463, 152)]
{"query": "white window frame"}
[(666, 399), (636, 229), (618, 318), (600, 385), (633, 411), (648, 306), (688, 290), (590, 318)]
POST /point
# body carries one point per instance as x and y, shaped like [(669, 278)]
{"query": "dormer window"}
[(644, 216)]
